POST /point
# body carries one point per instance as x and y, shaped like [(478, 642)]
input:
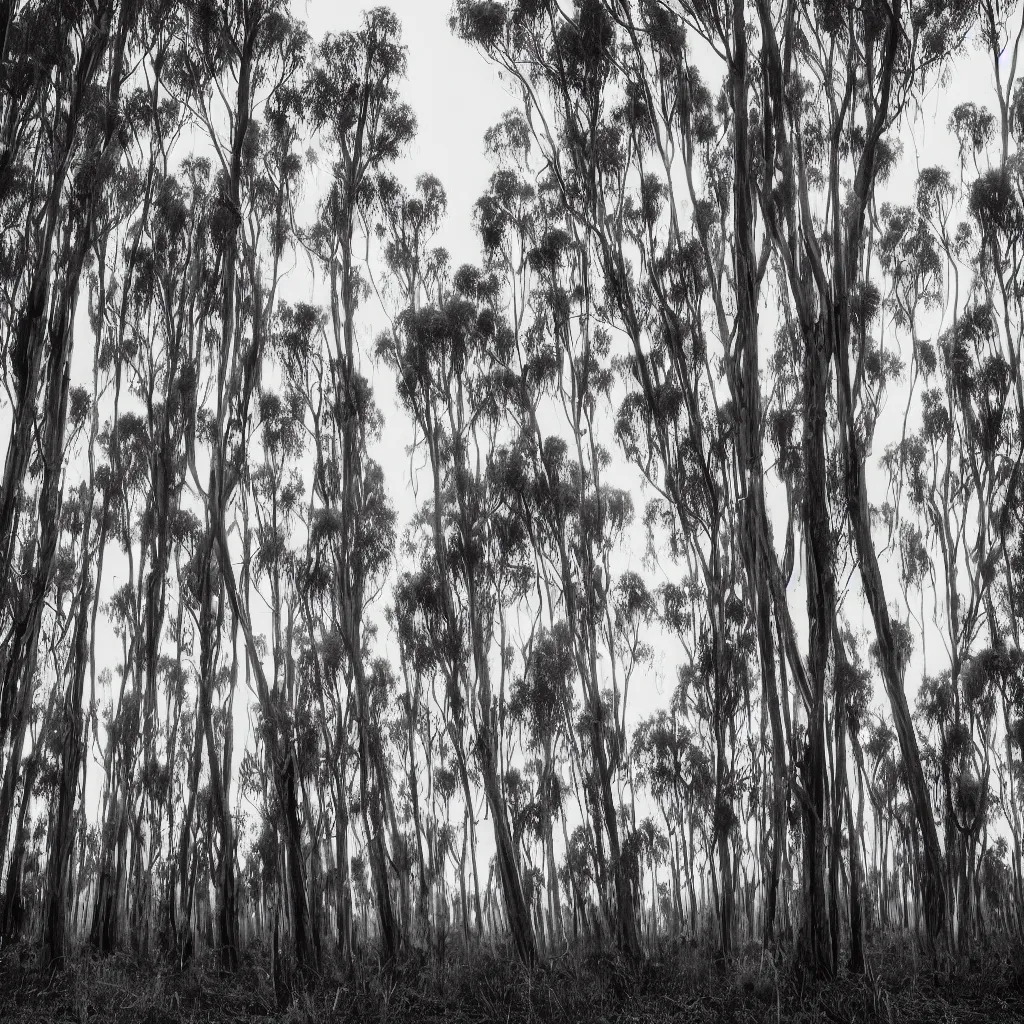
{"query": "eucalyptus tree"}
[(479, 553), (669, 762), (40, 773), (537, 700), (457, 438), (123, 291), (557, 487), (127, 445), (155, 326), (72, 68), (57, 59), (308, 654), (418, 667), (675, 127), (272, 514), (585, 122), (406, 223), (430, 650), (653, 846), (989, 161), (951, 258), (991, 388), (172, 301), (242, 58), (321, 653), (692, 158), (993, 142), (353, 104), (955, 483), (788, 157), (855, 95)]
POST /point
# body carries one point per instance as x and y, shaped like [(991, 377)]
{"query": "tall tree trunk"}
[(815, 944)]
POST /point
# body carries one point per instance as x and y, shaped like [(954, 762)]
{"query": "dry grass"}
[(679, 985)]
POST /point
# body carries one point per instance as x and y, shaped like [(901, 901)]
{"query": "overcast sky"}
[(455, 94)]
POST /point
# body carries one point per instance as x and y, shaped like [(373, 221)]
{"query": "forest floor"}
[(679, 985)]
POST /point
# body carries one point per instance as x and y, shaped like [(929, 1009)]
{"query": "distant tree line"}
[(695, 260)]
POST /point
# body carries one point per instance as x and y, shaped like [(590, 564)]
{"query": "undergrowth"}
[(680, 984)]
